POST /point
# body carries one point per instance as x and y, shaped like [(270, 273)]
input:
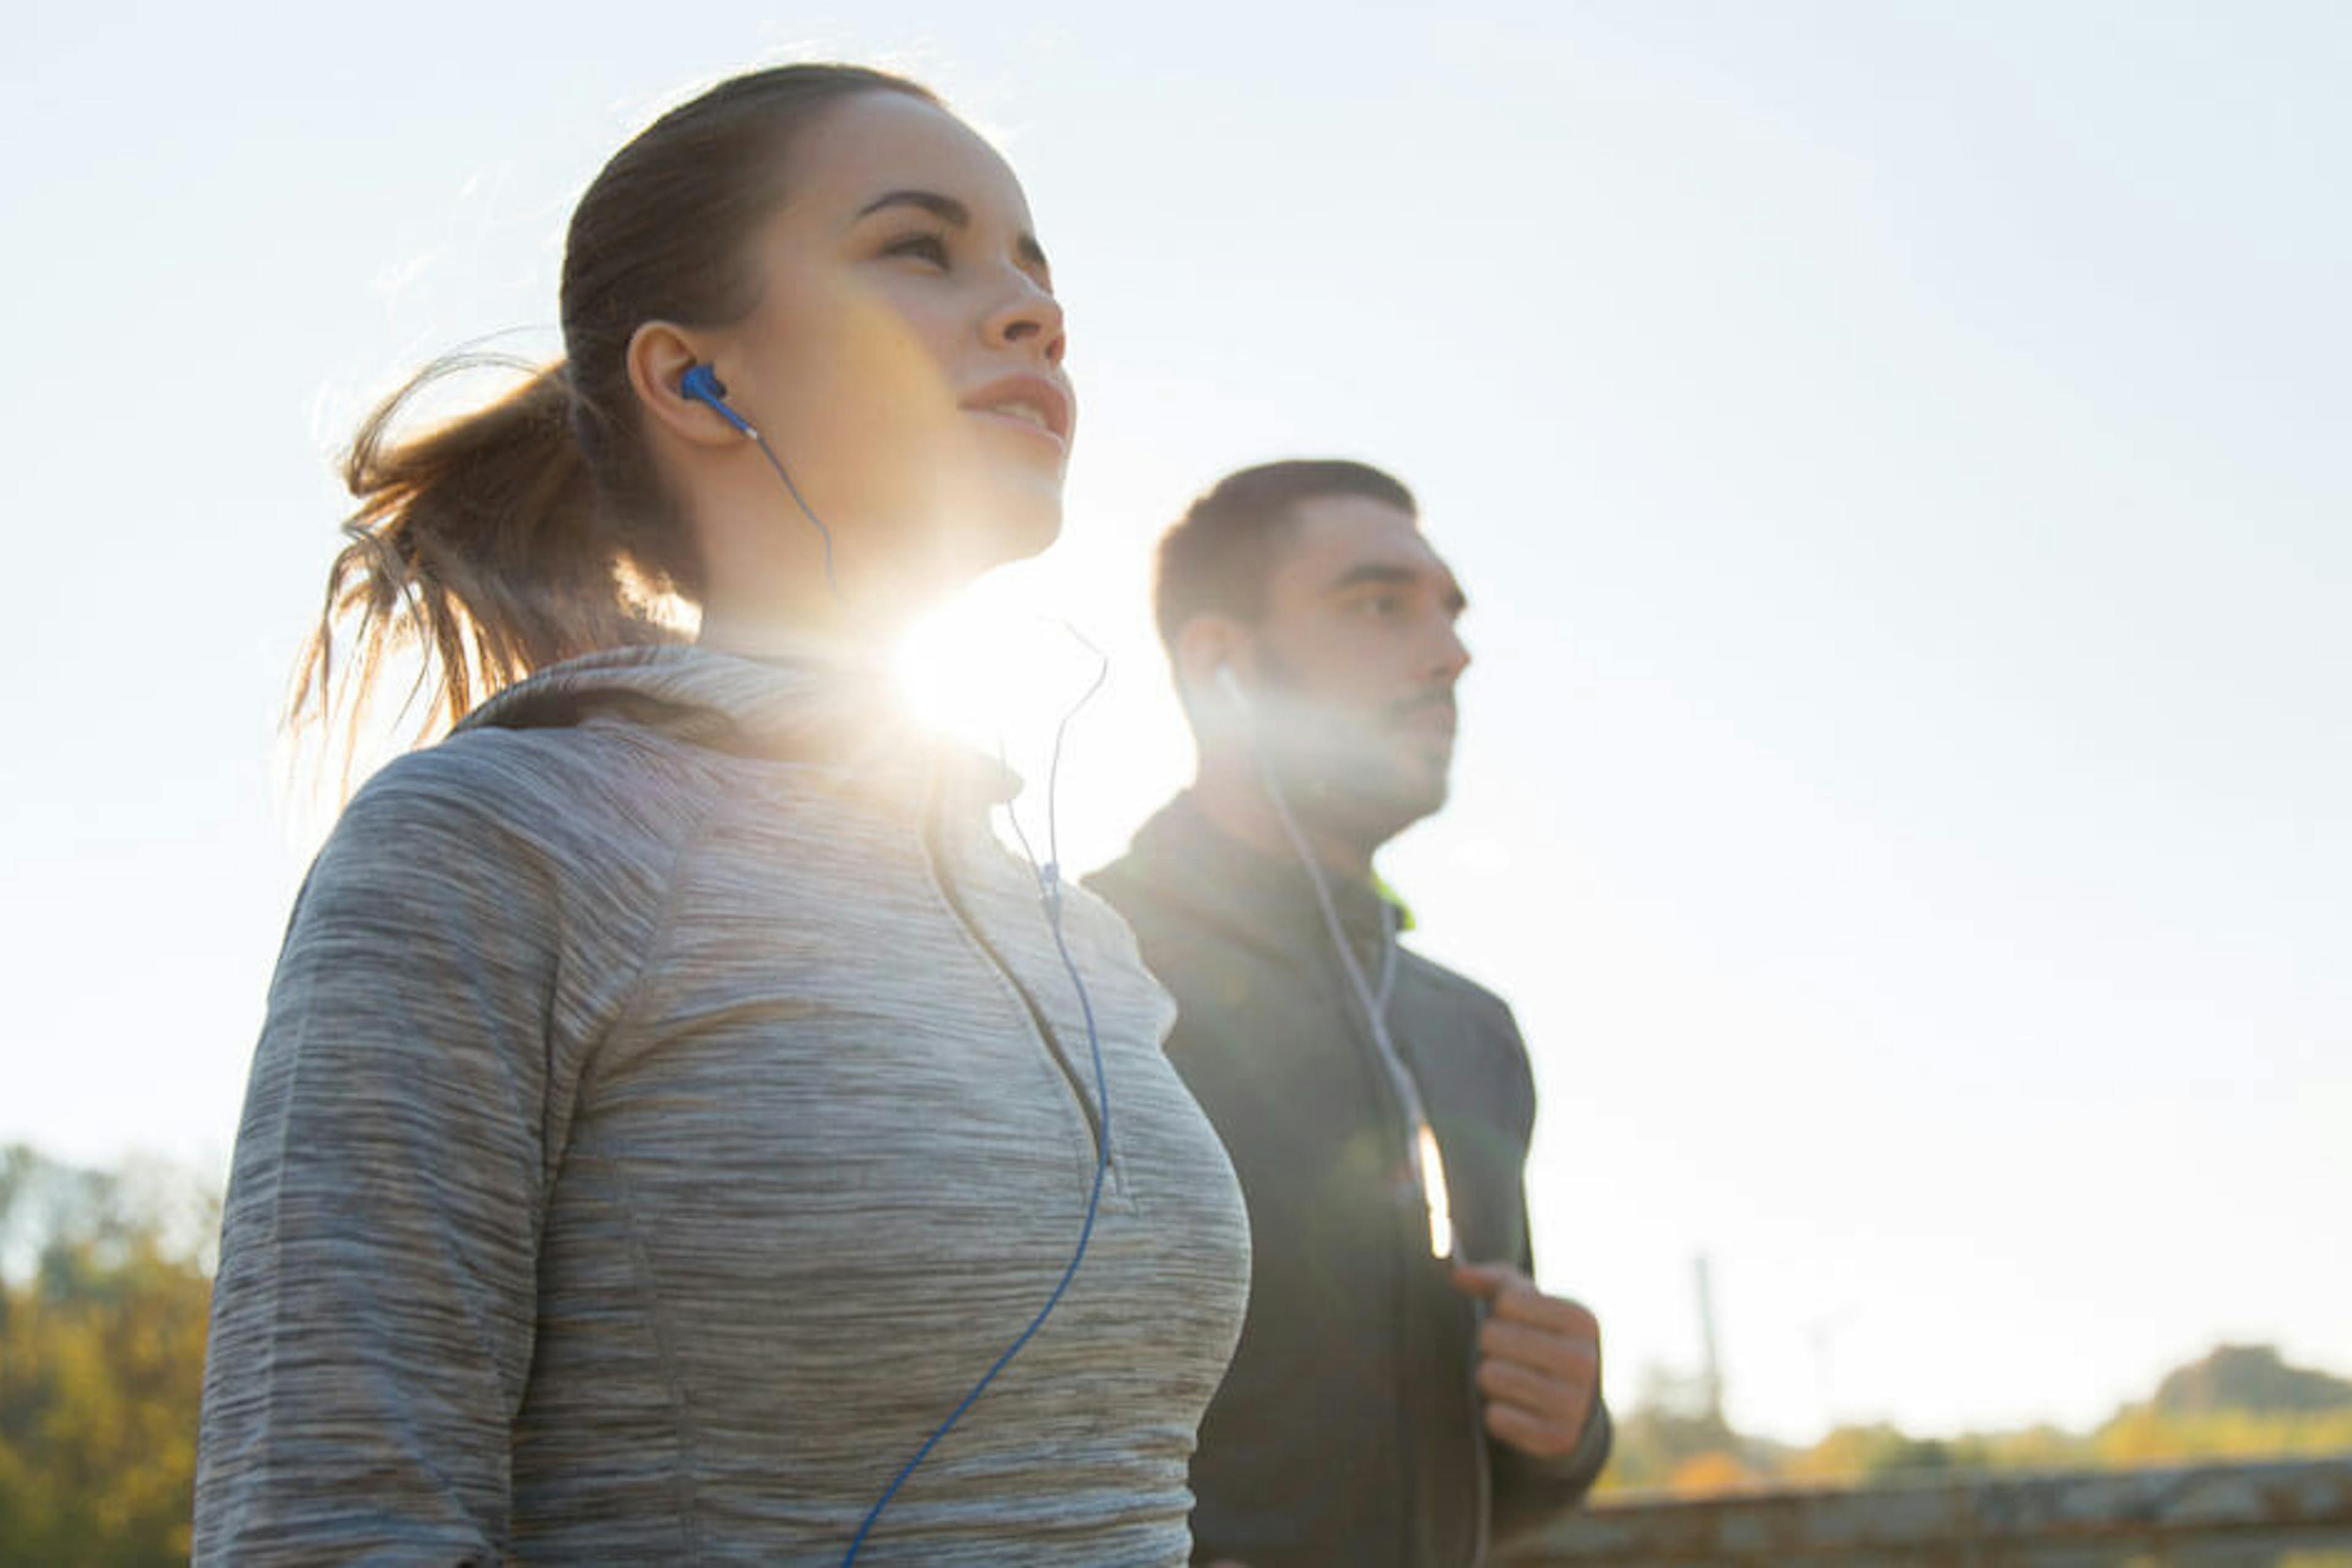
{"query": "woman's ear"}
[(659, 355)]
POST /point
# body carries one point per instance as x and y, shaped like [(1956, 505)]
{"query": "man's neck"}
[(1237, 801)]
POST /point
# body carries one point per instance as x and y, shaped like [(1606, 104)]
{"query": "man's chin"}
[(1377, 790), (1407, 793), (1424, 778), (1423, 803)]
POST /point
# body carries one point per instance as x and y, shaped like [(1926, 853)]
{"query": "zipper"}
[(943, 879), (1365, 1007), (1412, 1112)]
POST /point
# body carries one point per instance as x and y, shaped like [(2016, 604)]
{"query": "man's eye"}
[(929, 247), (1378, 606)]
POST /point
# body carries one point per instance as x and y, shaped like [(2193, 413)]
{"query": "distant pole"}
[(1824, 1332), (1713, 1369)]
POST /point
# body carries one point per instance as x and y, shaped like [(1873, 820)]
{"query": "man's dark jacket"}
[(1347, 1431)]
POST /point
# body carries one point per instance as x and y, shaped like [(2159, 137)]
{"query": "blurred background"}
[(1897, 456)]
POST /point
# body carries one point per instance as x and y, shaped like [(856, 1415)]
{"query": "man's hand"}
[(1538, 1360)]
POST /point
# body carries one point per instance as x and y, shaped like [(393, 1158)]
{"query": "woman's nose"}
[(1030, 317)]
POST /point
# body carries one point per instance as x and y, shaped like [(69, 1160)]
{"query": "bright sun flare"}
[(993, 671)]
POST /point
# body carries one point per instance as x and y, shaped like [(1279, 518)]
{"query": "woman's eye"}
[(929, 247)]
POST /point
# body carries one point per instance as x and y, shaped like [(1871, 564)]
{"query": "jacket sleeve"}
[(373, 1313), (1531, 1492)]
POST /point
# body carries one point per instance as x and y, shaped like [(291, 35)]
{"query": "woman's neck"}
[(773, 634)]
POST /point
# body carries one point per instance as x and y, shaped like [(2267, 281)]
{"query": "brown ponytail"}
[(533, 529), (478, 541)]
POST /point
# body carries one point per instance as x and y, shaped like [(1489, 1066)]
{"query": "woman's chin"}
[(981, 540), (1022, 525), (1038, 536)]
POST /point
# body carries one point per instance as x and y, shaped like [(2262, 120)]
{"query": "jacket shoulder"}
[(1134, 890), (1455, 989), (1123, 883), (570, 798)]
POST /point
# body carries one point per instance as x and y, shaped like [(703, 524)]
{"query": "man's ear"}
[(1205, 643), (659, 357)]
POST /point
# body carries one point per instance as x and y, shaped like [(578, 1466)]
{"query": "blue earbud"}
[(702, 383)]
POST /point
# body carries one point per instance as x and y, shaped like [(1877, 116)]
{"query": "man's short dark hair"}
[(1217, 559)]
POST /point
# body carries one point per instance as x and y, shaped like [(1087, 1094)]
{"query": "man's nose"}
[(1450, 655)]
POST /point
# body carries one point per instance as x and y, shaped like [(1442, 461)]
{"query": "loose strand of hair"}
[(477, 546)]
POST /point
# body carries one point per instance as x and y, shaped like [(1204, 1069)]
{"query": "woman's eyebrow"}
[(947, 209), (955, 214)]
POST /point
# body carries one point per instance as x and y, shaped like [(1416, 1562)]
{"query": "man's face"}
[(1355, 664)]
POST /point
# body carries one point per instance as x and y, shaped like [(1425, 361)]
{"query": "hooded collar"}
[(816, 706)]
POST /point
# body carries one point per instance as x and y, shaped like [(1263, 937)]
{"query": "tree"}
[(2250, 1378), (102, 1318), (1675, 1439)]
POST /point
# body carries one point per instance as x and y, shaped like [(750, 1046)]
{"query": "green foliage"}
[(1674, 1439), (1653, 1446), (2146, 1436), (2239, 1403), (101, 1368), (2249, 1378)]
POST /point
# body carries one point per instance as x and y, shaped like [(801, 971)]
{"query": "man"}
[(1312, 632)]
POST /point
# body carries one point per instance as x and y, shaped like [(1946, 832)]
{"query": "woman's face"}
[(905, 359)]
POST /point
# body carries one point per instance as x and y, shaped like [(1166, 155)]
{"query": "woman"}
[(673, 1099)]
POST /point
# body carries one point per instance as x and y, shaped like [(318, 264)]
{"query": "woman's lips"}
[(1031, 402)]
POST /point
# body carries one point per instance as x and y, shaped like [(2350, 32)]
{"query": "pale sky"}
[(1896, 451)]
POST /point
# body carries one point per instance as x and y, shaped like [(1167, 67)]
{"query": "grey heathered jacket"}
[(671, 1104)]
